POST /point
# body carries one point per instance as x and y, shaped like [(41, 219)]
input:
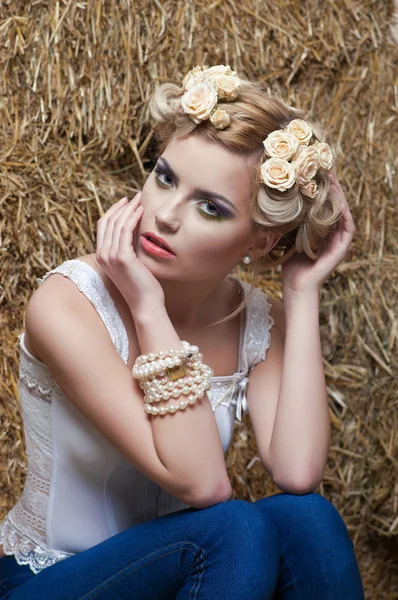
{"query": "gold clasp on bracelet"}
[(179, 371), (175, 373)]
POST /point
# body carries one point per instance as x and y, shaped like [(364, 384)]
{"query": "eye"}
[(159, 172), (215, 213)]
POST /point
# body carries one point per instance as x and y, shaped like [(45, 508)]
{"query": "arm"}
[(188, 442), (301, 434), (287, 398), (75, 346)]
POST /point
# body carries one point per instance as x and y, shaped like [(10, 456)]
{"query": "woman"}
[(127, 494)]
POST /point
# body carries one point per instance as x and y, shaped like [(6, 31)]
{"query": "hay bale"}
[(76, 80)]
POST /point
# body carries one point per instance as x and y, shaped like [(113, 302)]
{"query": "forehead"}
[(199, 163)]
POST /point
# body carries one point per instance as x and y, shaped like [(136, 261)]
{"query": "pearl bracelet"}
[(181, 373), (153, 364), (194, 386)]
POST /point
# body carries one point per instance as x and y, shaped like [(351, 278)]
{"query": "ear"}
[(263, 243)]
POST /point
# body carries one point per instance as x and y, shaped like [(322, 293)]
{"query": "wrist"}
[(300, 303), (155, 331), (288, 293), (146, 314), (301, 315)]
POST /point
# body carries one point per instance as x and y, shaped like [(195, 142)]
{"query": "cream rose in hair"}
[(278, 173), (306, 165), (280, 144), (220, 118), (218, 70), (325, 155), (301, 130), (194, 76), (225, 81), (199, 100), (310, 189), (227, 87)]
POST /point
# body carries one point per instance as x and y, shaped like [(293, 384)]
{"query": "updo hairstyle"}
[(303, 222)]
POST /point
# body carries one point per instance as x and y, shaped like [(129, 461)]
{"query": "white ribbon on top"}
[(241, 401)]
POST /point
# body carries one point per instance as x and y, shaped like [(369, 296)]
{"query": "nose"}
[(166, 222), (166, 217)]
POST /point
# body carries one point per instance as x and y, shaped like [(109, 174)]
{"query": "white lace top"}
[(79, 490)]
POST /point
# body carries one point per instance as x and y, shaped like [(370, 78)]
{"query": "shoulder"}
[(52, 290), (50, 286), (91, 260), (114, 292)]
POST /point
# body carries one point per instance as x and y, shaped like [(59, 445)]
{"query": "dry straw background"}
[(75, 137)]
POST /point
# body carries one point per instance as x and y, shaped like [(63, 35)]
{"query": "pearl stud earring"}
[(246, 259)]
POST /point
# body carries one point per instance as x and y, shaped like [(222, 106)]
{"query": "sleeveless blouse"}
[(79, 489)]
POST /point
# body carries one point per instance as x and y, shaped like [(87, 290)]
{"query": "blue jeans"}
[(284, 547)]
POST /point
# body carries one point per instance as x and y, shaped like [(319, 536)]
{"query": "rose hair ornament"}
[(204, 87), (293, 157)]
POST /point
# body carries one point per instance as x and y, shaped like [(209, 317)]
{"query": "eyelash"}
[(219, 215)]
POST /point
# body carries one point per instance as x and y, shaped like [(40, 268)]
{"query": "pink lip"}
[(156, 239), (154, 250)]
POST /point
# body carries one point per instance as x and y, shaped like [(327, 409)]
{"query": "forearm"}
[(300, 440), (179, 438)]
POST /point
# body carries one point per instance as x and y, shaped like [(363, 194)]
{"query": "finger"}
[(102, 223), (346, 231), (105, 227), (126, 239), (341, 234), (348, 222), (108, 226), (122, 221)]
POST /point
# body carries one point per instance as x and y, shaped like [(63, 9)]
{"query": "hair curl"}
[(303, 223)]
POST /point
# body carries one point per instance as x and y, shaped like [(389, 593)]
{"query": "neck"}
[(194, 304)]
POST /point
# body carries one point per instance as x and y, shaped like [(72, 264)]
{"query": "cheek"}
[(148, 197), (148, 191), (216, 247)]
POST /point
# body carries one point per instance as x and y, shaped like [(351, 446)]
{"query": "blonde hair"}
[(303, 222)]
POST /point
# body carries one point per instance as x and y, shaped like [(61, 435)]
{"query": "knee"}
[(330, 537), (318, 506), (240, 520), (321, 515)]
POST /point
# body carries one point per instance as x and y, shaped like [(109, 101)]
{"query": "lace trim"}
[(17, 543), (36, 377), (23, 532), (259, 336)]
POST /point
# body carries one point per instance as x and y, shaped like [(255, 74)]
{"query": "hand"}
[(301, 273), (116, 254)]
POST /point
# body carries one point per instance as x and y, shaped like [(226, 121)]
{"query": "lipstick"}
[(154, 249)]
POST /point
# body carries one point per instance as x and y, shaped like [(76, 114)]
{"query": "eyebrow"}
[(201, 192)]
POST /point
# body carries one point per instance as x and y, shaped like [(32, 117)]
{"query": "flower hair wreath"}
[(292, 158)]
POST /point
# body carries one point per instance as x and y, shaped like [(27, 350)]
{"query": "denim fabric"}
[(283, 547)]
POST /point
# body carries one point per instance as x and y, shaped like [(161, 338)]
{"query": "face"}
[(208, 234)]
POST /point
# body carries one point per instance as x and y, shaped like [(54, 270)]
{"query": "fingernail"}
[(122, 200)]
